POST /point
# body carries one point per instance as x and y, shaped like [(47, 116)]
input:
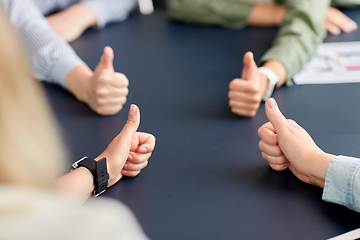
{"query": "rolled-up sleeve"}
[(228, 13), (342, 183), (107, 11), (50, 57), (300, 34)]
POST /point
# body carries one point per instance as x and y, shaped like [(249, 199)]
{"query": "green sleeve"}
[(345, 3), (299, 36), (228, 13)]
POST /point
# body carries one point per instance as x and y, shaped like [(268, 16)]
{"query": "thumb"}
[(107, 58), (276, 118), (250, 68), (127, 133)]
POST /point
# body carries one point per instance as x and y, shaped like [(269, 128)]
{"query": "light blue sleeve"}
[(107, 11), (51, 58), (342, 183)]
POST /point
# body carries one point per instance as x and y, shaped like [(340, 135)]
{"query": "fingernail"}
[(132, 110), (353, 25), (271, 103), (124, 172), (125, 165), (130, 157), (143, 150), (336, 31)]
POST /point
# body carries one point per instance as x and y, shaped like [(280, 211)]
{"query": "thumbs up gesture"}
[(246, 93), (108, 89), (284, 144), (128, 152)]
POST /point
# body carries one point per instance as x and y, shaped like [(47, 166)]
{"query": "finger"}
[(274, 151), (242, 85), (108, 110), (276, 118), (244, 112), (244, 97), (106, 92), (267, 133), (280, 167), (146, 143), (250, 69), (342, 21), (107, 58), (138, 158), (120, 80), (123, 140), (280, 160), (129, 166), (111, 102), (332, 28), (130, 173), (243, 105)]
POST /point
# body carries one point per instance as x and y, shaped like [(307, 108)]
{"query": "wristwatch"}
[(273, 80), (98, 170)]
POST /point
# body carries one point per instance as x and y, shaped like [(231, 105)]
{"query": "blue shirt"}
[(342, 183), (52, 58)]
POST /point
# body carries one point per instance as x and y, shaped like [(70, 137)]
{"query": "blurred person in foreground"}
[(38, 199)]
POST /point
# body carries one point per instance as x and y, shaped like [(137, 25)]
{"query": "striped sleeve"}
[(51, 58), (107, 11)]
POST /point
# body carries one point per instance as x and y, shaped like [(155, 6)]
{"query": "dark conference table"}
[(206, 178)]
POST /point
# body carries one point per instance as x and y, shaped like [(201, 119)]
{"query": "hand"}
[(107, 91), (128, 147), (72, 22), (104, 90), (336, 21), (284, 144), (246, 93), (142, 146)]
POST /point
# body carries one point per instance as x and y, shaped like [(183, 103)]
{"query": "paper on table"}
[(355, 234), (332, 63)]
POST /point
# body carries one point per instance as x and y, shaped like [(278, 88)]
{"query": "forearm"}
[(107, 11), (218, 12), (50, 57), (78, 82), (78, 184), (266, 15), (73, 21)]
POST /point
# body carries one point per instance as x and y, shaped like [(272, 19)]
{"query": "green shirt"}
[(299, 36)]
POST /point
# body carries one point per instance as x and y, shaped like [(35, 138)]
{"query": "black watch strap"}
[(98, 170), (101, 177)]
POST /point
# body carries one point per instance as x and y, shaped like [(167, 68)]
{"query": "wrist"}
[(319, 168), (78, 82), (264, 83)]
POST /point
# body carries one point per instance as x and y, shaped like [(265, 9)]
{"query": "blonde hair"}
[(30, 150)]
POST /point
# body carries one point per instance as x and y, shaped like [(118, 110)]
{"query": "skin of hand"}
[(245, 93), (336, 21), (104, 90), (266, 15), (72, 22), (128, 152), (79, 184), (284, 144)]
